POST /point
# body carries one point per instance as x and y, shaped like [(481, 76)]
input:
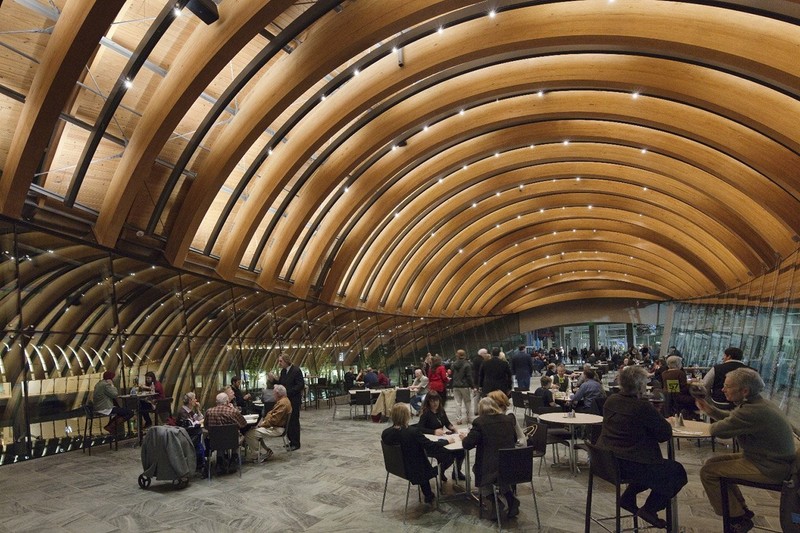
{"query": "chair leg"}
[(408, 489), (726, 510), (541, 460), (535, 505), (385, 486), (588, 518), (618, 513)]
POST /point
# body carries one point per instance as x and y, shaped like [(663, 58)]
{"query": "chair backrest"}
[(393, 460), (164, 407), (402, 396), (536, 432), (88, 408), (342, 399), (518, 397), (603, 464), (515, 465), (363, 397), (535, 402), (322, 382), (225, 437)]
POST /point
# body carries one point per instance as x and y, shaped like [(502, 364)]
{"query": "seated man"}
[(674, 383), (223, 414), (271, 425), (588, 391), (241, 400), (765, 435), (420, 388), (632, 429), (103, 398)]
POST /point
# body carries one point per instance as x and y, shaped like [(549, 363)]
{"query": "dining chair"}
[(402, 396), (163, 410), (514, 466), (518, 399), (364, 399), (603, 464), (394, 464), (223, 439), (90, 415), (342, 400), (536, 433)]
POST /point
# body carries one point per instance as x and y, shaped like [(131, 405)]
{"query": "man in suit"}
[(291, 377), (495, 374), (522, 367)]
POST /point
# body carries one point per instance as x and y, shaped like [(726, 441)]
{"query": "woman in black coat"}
[(490, 432), (414, 445), (433, 420)]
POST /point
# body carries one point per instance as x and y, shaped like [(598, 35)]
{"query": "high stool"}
[(90, 414), (724, 485), (603, 464)]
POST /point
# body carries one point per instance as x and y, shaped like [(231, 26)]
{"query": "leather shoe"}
[(740, 524), (293, 447), (651, 518), (461, 475)]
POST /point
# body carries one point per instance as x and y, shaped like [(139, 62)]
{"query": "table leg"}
[(672, 519), (573, 454)]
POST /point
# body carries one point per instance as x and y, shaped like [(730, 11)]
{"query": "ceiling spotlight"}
[(492, 14), (205, 10)]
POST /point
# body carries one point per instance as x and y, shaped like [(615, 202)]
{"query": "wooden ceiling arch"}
[(262, 190)]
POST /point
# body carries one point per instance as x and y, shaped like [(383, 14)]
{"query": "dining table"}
[(688, 429), (457, 446), (133, 402), (572, 420)]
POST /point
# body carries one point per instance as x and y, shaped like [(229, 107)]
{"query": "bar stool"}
[(88, 424), (603, 464), (724, 485)]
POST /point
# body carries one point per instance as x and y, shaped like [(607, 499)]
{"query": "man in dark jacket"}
[(633, 429), (495, 374), (477, 362), (291, 377), (522, 367)]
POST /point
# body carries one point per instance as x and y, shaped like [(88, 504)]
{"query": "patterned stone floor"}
[(333, 483)]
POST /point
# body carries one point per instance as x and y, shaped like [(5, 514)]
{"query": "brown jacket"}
[(278, 416)]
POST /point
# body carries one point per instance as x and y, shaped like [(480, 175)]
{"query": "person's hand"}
[(451, 439), (246, 396), (702, 405), (438, 432)]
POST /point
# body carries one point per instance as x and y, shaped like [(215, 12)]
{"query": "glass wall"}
[(70, 312)]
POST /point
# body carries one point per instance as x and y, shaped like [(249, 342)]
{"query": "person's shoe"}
[(651, 518), (628, 502), (513, 506), (740, 524), (748, 514), (268, 453), (443, 477), (293, 447), (460, 475), (458, 422), (430, 499)]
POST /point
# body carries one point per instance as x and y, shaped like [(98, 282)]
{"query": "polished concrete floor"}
[(333, 483)]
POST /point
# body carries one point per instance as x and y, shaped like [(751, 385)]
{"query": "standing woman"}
[(433, 421), (490, 432), (437, 378), (414, 446)]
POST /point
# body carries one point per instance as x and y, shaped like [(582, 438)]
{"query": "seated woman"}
[(632, 430), (490, 432), (504, 404), (433, 421), (414, 445)]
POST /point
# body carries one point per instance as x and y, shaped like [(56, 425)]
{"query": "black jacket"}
[(292, 378), (414, 445), (495, 375), (632, 429), (489, 433)]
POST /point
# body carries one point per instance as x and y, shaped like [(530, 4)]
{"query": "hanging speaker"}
[(206, 10)]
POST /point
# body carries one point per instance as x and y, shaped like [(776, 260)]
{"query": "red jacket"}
[(437, 379)]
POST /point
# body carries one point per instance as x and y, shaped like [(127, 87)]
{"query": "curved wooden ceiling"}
[(415, 156)]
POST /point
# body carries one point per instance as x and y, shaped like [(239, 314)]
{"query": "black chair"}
[(603, 464), (163, 410), (537, 439), (283, 436), (514, 465), (88, 424), (518, 399), (222, 439), (402, 396), (394, 464), (342, 400), (725, 482), (364, 399)]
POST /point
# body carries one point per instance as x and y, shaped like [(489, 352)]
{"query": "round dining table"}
[(579, 419)]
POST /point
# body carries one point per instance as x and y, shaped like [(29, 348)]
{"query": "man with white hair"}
[(420, 388), (271, 425), (764, 434), (224, 413)]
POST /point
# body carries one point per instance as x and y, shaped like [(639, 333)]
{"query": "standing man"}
[(477, 362), (763, 432), (715, 378), (522, 367), (462, 387), (495, 374), (291, 377)]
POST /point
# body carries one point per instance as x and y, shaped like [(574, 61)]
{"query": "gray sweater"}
[(764, 433)]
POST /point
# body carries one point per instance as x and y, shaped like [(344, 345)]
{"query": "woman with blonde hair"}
[(491, 431), (414, 445), (504, 404)]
